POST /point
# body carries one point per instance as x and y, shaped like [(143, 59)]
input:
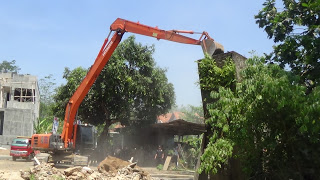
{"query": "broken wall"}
[(233, 170)]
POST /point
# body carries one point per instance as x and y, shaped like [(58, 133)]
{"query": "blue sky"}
[(46, 36)]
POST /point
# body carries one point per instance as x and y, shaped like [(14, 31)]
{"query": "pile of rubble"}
[(120, 169), (111, 168), (42, 171)]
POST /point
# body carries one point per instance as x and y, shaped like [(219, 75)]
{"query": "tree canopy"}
[(295, 27), (273, 124), (130, 88), (270, 120), (9, 66)]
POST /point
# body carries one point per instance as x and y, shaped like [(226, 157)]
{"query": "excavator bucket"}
[(211, 47)]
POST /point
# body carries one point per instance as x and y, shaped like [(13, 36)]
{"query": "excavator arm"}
[(108, 47), (119, 27), (208, 44)]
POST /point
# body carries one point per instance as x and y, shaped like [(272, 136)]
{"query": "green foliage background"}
[(295, 27), (212, 77), (270, 118), (271, 122)]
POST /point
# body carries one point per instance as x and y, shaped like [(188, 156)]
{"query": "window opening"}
[(24, 95)]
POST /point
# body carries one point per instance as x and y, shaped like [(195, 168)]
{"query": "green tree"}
[(9, 66), (213, 76), (131, 89), (64, 92), (295, 27), (272, 122), (46, 88)]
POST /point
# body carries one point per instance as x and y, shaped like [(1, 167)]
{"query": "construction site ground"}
[(10, 169)]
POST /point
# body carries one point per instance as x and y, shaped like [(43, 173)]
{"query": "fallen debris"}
[(111, 168), (111, 164), (42, 172), (125, 169)]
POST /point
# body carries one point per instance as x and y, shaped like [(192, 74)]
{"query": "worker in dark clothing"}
[(159, 156), (175, 157)]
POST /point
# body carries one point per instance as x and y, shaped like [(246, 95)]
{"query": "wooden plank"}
[(166, 163)]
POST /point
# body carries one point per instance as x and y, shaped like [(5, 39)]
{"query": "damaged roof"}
[(179, 127)]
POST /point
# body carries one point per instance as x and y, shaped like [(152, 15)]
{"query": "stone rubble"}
[(42, 172), (112, 171)]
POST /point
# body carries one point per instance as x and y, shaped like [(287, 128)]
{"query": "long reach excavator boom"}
[(119, 27)]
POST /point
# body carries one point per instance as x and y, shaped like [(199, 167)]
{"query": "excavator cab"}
[(86, 139)]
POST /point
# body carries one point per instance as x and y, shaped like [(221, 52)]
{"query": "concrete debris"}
[(7, 175), (70, 171), (111, 169), (124, 169), (112, 164), (44, 171)]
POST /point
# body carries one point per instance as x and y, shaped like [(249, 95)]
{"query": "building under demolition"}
[(19, 105)]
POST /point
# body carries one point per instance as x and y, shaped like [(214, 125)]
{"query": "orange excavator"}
[(77, 137)]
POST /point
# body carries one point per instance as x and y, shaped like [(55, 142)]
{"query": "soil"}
[(11, 169)]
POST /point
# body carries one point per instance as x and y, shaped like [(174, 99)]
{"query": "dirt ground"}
[(10, 169), (4, 151)]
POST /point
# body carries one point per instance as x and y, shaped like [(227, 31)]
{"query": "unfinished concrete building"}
[(19, 105)]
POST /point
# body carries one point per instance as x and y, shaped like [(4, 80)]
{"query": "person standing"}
[(159, 155), (176, 156)]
